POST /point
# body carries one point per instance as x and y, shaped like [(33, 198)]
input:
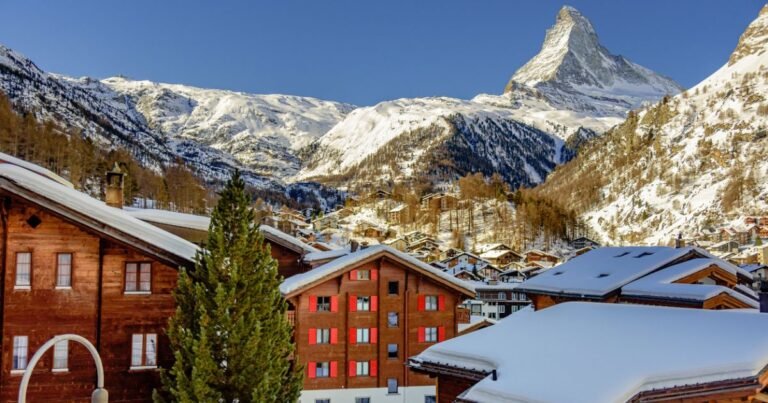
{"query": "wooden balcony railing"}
[(462, 315)]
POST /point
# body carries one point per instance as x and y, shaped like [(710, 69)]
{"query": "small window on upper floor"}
[(392, 319), (430, 303), (323, 304), (393, 287), (363, 275), (138, 278), (23, 270), (64, 270)]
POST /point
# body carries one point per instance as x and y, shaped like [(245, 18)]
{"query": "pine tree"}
[(230, 337)]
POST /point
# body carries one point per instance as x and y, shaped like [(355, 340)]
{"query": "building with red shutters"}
[(358, 319)]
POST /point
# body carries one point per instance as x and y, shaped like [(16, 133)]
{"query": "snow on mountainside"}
[(575, 72), (686, 164)]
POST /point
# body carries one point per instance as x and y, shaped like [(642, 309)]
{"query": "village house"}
[(367, 229), (501, 257), (617, 353), (498, 299), (584, 242), (73, 264), (743, 234), (397, 243), (358, 319), (398, 215), (540, 257), (439, 201), (684, 277)]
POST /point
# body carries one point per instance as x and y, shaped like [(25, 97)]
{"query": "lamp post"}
[(99, 395)]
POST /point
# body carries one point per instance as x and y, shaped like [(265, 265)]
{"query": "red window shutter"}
[(312, 335), (352, 335), (352, 369), (334, 369), (352, 303), (441, 302), (334, 303), (312, 303), (421, 335), (374, 368), (334, 335), (422, 302), (353, 275), (374, 274), (311, 369), (374, 335), (441, 333), (374, 303)]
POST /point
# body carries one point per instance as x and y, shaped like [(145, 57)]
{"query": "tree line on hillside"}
[(66, 152)]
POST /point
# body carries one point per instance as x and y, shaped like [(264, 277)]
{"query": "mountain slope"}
[(575, 72), (685, 164)]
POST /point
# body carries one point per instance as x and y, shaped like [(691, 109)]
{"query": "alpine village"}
[(594, 233)]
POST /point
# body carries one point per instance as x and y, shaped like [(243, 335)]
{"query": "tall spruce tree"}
[(230, 337)]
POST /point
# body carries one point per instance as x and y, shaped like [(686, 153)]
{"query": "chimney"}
[(363, 245), (115, 179), (679, 241), (353, 245), (763, 296)]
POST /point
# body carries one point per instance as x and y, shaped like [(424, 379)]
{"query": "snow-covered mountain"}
[(559, 93), (689, 162), (575, 72)]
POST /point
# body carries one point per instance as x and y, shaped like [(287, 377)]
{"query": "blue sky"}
[(358, 51)]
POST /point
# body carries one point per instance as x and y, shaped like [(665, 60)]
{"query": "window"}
[(322, 400), (363, 303), (502, 309), (323, 336), (430, 334), (430, 399), (322, 369), (363, 336), (362, 400), (363, 275), (477, 309), (492, 315), (64, 270), (430, 303), (323, 304), (392, 386), (23, 269), (362, 368), (392, 351), (392, 320), (138, 277), (20, 347), (394, 287), (60, 355), (144, 351), (502, 295)]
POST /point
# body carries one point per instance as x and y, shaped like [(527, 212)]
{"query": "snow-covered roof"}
[(84, 205), (595, 352), (9, 159), (276, 235), (325, 255), (398, 208), (603, 270), (299, 281), (754, 267), (192, 221), (496, 253), (662, 283), (500, 285)]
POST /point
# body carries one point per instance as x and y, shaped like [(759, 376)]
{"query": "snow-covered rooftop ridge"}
[(603, 270), (298, 281), (605, 352), (184, 220), (267, 230), (323, 255), (9, 159), (98, 211)]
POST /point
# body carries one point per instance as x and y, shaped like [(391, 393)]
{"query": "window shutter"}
[(441, 303), (334, 303), (374, 368), (441, 333), (312, 335), (352, 369), (374, 335), (421, 334), (334, 335), (422, 302), (374, 303), (374, 274), (353, 275), (352, 335), (312, 303), (352, 303), (334, 369), (311, 369)]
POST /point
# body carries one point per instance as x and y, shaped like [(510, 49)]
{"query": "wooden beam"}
[(760, 397)]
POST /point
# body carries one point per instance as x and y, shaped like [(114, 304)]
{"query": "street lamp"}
[(99, 395)]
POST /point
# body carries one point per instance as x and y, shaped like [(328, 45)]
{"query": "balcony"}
[(462, 315)]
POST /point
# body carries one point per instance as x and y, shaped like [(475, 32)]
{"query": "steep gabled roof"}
[(9, 159), (295, 284)]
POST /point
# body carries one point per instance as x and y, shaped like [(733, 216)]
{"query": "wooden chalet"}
[(73, 264), (359, 318), (397, 243), (398, 215), (439, 201), (501, 257), (584, 242), (540, 257)]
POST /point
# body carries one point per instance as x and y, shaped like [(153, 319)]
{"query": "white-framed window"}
[(138, 278), (392, 319), (363, 275), (323, 336), (363, 335), (144, 351), (23, 270), (430, 334), (362, 368), (363, 303), (430, 303), (323, 369), (63, 270), (502, 309), (392, 386), (502, 295), (61, 356), (20, 351)]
